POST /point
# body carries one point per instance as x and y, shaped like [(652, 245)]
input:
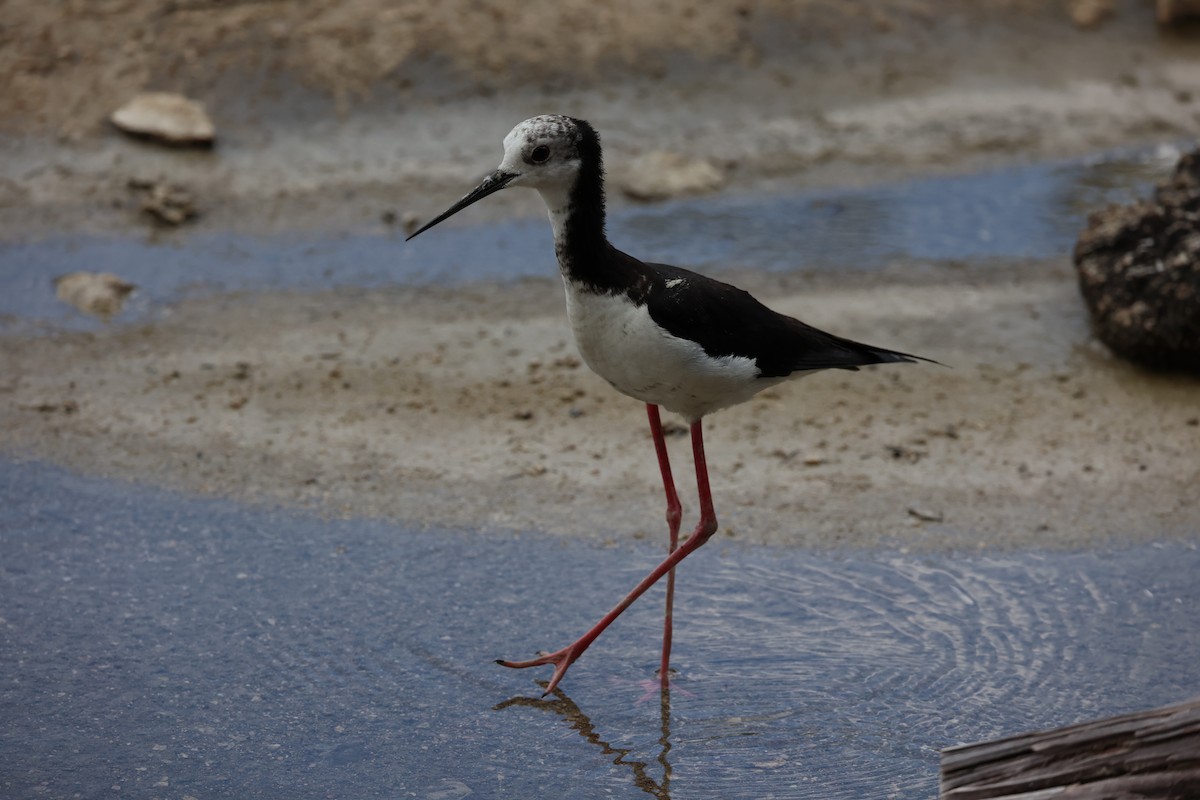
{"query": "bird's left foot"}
[(561, 659), (656, 687)]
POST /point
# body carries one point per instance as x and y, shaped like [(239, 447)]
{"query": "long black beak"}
[(491, 184)]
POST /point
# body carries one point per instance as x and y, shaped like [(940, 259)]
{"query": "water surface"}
[(160, 645), (984, 220)]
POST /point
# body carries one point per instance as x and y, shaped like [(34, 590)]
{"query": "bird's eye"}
[(540, 154)]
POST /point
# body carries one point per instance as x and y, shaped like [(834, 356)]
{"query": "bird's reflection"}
[(565, 707)]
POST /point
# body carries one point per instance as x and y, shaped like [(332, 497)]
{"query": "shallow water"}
[(157, 645), (1033, 211)]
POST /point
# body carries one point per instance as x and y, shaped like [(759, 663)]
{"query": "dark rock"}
[(1139, 272), (1170, 11), (168, 204)]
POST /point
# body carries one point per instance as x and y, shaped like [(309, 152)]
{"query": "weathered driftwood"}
[(1148, 754)]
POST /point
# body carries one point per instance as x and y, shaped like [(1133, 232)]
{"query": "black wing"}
[(728, 321)]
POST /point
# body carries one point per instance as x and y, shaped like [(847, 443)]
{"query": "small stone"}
[(660, 175), (100, 294), (926, 516), (168, 204), (567, 362), (674, 429), (409, 222), (166, 117), (1088, 14), (902, 453)]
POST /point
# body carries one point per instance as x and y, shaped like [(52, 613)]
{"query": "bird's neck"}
[(577, 216)]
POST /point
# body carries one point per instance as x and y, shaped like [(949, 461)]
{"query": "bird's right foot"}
[(561, 659)]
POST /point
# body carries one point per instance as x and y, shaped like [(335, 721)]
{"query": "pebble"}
[(166, 117), (1088, 14), (169, 204), (100, 294), (660, 175)]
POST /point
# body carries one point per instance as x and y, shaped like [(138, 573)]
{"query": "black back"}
[(723, 319), (727, 321)]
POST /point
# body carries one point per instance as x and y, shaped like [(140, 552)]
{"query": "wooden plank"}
[(1138, 756)]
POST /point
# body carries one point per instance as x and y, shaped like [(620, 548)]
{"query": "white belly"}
[(620, 342)]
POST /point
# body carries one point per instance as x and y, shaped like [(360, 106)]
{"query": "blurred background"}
[(276, 486)]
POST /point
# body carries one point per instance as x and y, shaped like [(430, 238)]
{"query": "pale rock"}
[(659, 175), (100, 294), (169, 117)]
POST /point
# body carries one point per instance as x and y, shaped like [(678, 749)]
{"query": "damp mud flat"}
[(469, 407), (466, 405)]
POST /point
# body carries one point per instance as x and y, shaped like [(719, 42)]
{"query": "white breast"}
[(623, 345)]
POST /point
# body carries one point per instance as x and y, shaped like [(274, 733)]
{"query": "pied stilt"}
[(663, 335)]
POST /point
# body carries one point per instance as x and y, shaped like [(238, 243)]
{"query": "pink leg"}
[(563, 659), (674, 515)]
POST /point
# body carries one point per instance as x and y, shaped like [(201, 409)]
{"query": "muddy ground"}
[(469, 407), (331, 118)]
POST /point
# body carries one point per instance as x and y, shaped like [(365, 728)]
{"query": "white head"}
[(547, 153), (543, 153)]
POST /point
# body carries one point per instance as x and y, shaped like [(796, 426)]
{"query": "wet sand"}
[(468, 407)]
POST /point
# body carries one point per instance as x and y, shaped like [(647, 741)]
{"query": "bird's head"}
[(545, 153)]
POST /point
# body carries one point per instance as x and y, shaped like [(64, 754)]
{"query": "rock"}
[(166, 117), (924, 515), (1139, 272), (169, 204), (100, 294), (1088, 14), (409, 222), (1170, 11), (659, 175)]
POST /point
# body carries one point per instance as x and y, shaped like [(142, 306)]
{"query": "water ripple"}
[(147, 637)]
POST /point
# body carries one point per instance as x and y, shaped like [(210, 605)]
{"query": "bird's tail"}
[(863, 355)]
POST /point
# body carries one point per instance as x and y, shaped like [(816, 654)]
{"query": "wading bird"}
[(663, 335)]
